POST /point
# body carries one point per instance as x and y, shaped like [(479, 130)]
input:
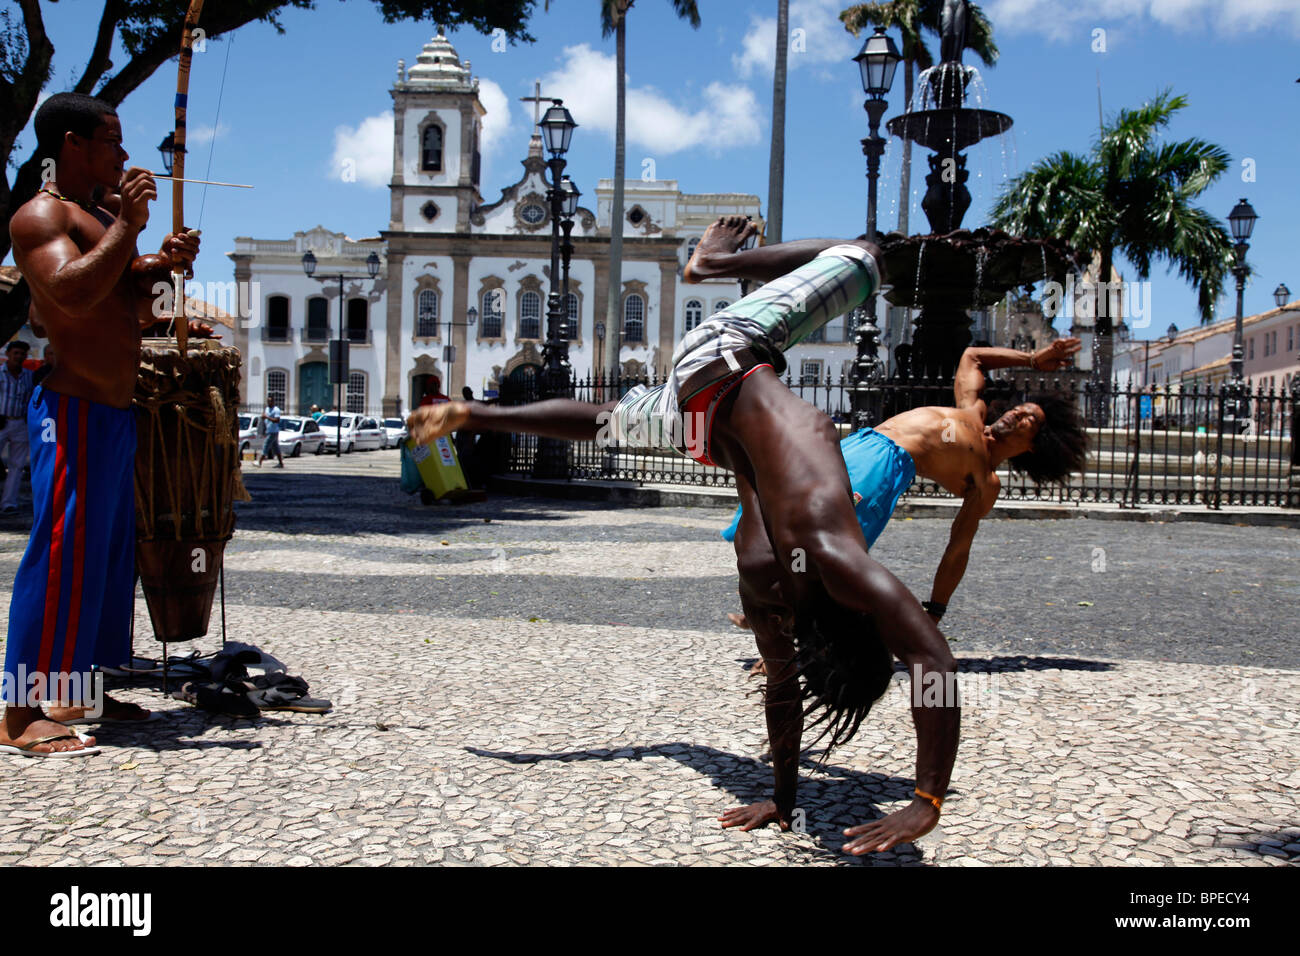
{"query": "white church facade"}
[(447, 257)]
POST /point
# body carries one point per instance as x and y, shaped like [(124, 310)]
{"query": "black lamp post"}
[(339, 347), (877, 61), (1281, 295), (569, 208), (557, 130), (449, 350), (1242, 222)]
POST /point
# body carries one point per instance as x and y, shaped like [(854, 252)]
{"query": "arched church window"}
[(431, 151)]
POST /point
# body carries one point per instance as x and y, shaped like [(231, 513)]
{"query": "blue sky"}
[(294, 105)]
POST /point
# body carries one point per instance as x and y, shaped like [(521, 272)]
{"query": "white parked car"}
[(248, 437), (358, 432), (298, 435), (395, 430)]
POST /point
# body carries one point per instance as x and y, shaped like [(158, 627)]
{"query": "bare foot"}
[(722, 239), (738, 619), (759, 669), (431, 422), (755, 815), (115, 711), (12, 736)]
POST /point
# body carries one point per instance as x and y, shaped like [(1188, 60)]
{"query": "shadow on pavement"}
[(1021, 662), (841, 798)]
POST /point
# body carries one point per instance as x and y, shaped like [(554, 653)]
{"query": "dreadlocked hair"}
[(842, 664), (1061, 446)]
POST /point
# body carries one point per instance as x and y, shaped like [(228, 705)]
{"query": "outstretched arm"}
[(858, 581), (953, 563), (555, 418), (968, 384)]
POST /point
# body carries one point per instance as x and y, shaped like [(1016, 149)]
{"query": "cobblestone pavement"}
[(525, 681)]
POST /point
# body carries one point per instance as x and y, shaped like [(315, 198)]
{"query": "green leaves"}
[(911, 17), (1132, 194)]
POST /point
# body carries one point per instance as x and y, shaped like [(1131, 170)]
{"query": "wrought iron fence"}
[(1210, 445)]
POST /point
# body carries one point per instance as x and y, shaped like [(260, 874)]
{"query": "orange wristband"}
[(936, 802)]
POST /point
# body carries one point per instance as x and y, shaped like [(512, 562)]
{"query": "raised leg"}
[(719, 256), (554, 418)]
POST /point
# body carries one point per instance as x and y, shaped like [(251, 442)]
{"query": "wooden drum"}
[(186, 478)]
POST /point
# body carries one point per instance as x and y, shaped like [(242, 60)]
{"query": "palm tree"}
[(911, 17), (1131, 195), (613, 19), (776, 159)]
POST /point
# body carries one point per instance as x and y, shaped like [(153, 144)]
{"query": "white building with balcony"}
[(447, 257)]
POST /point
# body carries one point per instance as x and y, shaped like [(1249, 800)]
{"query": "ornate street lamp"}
[(339, 347), (877, 61), (1281, 295), (557, 130), (568, 209), (1242, 221)]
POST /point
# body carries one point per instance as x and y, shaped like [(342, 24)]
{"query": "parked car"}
[(248, 437), (300, 434), (358, 432), (395, 431)]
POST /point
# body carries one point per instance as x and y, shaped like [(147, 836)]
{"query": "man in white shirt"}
[(16, 388), (272, 444)]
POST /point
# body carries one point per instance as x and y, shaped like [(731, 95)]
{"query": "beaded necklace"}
[(90, 207)]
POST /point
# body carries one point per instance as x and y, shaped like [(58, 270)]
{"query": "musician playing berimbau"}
[(73, 596)]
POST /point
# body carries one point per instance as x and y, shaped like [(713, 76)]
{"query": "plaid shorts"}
[(754, 331)]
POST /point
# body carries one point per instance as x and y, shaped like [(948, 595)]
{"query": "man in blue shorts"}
[(73, 595)]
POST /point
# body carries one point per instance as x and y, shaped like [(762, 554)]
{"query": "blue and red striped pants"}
[(74, 594)]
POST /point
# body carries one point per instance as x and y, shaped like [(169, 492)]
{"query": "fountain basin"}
[(974, 268), (948, 131)]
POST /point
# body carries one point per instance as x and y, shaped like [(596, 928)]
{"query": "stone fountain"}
[(952, 270)]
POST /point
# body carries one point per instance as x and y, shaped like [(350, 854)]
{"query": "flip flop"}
[(289, 699), (27, 751)]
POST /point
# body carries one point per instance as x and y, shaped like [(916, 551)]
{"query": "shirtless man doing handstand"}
[(724, 404)]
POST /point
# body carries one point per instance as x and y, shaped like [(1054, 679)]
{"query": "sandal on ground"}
[(288, 698), (26, 750), (217, 698)]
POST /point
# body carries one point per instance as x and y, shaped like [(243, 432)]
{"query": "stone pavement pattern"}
[(526, 681)]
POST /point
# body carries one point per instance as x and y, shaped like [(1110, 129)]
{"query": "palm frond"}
[(1200, 249), (1058, 197), (1193, 164), (901, 15), (1130, 133), (979, 37), (687, 10)]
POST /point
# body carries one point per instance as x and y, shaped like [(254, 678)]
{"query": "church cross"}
[(537, 100)]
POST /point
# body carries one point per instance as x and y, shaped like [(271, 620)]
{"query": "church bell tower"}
[(437, 124)]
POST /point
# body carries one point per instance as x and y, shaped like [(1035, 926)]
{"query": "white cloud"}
[(496, 123), (720, 117), (816, 36), (205, 133), (1068, 19), (364, 154)]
